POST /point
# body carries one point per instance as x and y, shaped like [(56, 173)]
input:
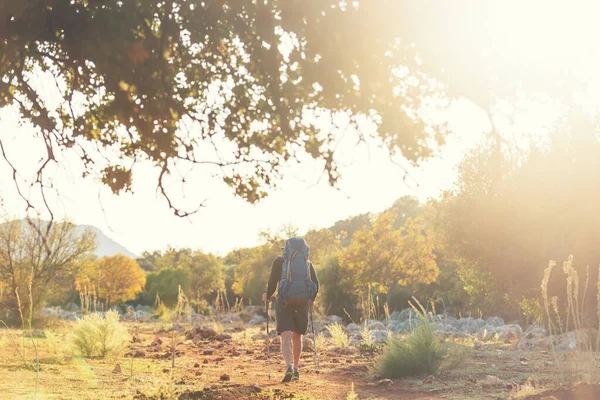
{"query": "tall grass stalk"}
[(30, 318), (598, 310), (352, 394)]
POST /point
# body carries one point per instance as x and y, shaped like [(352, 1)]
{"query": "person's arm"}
[(275, 276), (313, 277)]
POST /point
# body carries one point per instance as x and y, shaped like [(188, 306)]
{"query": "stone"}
[(73, 307), (478, 345), (404, 315), (535, 332), (257, 320), (380, 336), (117, 369), (376, 326), (209, 351), (225, 377), (199, 333), (333, 319), (487, 332), (352, 327), (491, 380), (230, 317), (397, 326), (259, 336), (385, 382), (495, 321), (468, 325), (343, 350), (510, 332), (567, 342), (222, 337), (142, 315)]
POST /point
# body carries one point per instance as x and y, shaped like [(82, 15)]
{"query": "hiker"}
[(295, 279)]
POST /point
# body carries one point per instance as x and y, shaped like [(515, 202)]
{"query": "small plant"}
[(367, 336), (339, 337), (97, 335), (352, 394), (320, 341), (421, 353), (55, 345)]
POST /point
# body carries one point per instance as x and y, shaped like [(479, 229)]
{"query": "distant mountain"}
[(106, 245)]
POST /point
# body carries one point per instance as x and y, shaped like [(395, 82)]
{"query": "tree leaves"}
[(157, 80)]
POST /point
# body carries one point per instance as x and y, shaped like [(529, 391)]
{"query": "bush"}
[(339, 338), (98, 335), (421, 353)]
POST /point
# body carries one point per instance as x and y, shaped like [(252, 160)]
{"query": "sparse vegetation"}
[(421, 353), (339, 337), (352, 394), (98, 335)]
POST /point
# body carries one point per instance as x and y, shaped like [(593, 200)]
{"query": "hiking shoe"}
[(296, 376), (289, 374)]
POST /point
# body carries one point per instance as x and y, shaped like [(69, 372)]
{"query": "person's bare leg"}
[(297, 345), (286, 347)]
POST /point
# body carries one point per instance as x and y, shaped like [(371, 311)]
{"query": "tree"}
[(252, 272), (198, 274), (206, 274), (115, 278), (165, 283), (165, 82), (511, 212), (383, 257), (45, 256)]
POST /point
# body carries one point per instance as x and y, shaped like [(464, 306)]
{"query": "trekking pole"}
[(312, 323), (268, 342)]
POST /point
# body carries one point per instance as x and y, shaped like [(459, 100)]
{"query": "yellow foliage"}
[(381, 256), (115, 278)]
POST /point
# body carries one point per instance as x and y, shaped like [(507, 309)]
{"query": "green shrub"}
[(339, 337), (98, 335), (421, 353)]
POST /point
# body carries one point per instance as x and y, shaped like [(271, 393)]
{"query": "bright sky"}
[(370, 181), (142, 221)]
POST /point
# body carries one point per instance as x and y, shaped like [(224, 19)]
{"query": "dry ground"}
[(237, 369)]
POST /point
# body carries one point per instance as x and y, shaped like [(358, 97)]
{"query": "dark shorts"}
[(291, 318)]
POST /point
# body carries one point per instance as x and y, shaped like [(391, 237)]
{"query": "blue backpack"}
[(296, 286)]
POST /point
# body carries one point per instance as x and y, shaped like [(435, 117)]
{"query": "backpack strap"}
[(289, 269)]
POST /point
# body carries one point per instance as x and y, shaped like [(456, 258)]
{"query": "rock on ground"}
[(510, 332)]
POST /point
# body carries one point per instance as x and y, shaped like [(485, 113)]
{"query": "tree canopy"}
[(225, 84)]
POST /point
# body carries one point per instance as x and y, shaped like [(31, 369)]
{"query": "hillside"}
[(106, 245)]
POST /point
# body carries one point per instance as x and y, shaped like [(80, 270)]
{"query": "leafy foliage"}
[(252, 271), (98, 335), (336, 285), (167, 81), (512, 210), (115, 278), (339, 337), (47, 255), (165, 284), (386, 257), (198, 274)]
